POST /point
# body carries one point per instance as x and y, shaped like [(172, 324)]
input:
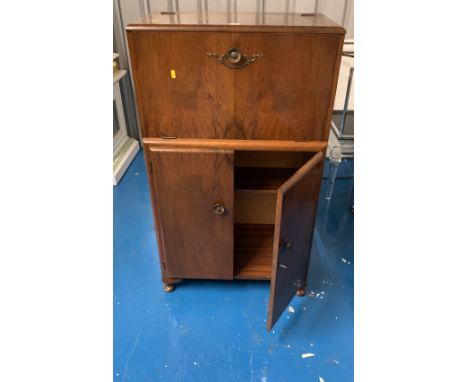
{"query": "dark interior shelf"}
[(253, 251), (261, 178)]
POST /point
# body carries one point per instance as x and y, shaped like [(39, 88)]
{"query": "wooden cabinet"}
[(235, 120)]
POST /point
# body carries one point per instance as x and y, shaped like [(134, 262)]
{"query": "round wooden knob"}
[(218, 209)]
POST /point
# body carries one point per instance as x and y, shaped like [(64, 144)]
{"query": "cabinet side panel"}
[(157, 223), (334, 84)]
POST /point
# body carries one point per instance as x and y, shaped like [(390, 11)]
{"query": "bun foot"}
[(301, 292), (168, 288)]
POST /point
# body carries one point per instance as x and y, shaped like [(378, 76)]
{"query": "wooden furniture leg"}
[(301, 292), (169, 284)]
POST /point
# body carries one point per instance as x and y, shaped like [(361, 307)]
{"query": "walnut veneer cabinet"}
[(235, 120)]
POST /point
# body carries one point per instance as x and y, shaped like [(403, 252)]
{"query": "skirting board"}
[(124, 157)]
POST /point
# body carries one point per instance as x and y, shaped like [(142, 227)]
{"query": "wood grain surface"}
[(187, 183), (286, 95), (255, 206), (268, 22), (240, 144), (253, 245), (295, 218)]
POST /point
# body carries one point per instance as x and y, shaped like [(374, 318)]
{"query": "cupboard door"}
[(194, 199), (294, 225)]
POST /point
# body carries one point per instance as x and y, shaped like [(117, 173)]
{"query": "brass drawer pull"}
[(218, 209), (234, 59)]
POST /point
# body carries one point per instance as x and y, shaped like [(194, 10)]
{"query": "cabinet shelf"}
[(253, 251)]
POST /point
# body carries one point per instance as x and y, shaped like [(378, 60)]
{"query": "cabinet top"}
[(238, 22)]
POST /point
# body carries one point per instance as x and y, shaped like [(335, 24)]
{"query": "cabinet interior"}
[(257, 177)]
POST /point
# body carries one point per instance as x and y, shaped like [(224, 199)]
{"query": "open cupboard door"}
[(294, 226)]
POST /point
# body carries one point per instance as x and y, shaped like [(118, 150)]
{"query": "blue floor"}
[(216, 331)]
